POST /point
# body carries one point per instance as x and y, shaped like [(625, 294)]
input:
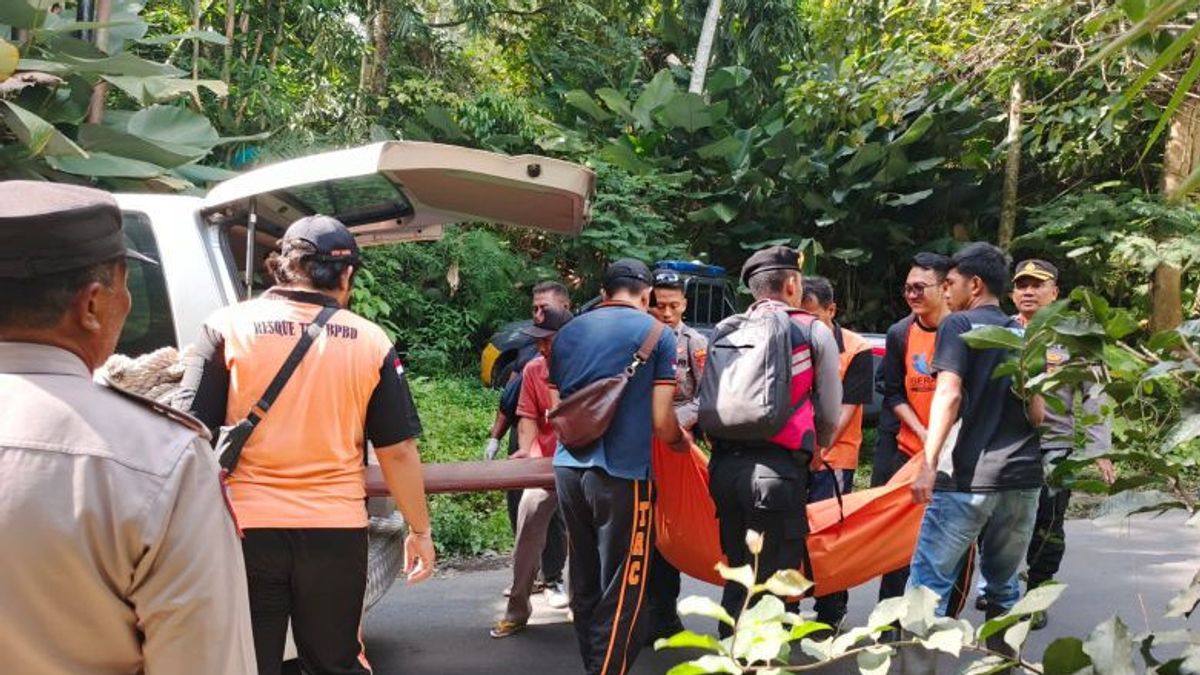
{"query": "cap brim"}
[(130, 253), (538, 333), (1039, 275)]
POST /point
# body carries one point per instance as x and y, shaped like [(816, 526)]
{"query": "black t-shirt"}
[(997, 447)]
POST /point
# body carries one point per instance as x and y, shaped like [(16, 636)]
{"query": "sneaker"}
[(981, 603), (507, 591), (504, 628), (556, 595)]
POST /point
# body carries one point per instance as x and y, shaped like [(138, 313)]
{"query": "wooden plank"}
[(509, 474)]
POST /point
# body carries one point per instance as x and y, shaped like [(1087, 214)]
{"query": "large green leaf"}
[(20, 14), (706, 607), (707, 665), (441, 119), (686, 639), (730, 77), (687, 111), (201, 35), (104, 165), (37, 134), (161, 89), (1065, 656), (102, 138), (580, 100), (120, 64), (916, 130), (173, 125), (657, 93), (616, 102), (993, 337)]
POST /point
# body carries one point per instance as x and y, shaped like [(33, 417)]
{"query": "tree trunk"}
[(100, 91), (381, 48), (708, 33), (227, 61), (1012, 168), (195, 42), (1180, 158)]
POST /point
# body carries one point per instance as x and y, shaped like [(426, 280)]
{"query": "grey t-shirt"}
[(996, 447)]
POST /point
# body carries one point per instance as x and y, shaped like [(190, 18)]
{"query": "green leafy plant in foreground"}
[(765, 632)]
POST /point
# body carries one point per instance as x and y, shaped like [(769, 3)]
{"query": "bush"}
[(456, 414), (441, 300)]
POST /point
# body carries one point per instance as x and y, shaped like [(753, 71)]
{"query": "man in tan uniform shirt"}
[(118, 551)]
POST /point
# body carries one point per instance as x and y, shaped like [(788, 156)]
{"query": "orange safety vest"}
[(844, 452), (919, 383)]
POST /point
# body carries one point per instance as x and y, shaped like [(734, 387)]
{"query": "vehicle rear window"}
[(151, 324)]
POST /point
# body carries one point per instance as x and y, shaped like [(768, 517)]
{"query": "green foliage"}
[(439, 300), (1111, 238), (456, 414), (765, 634), (144, 142)]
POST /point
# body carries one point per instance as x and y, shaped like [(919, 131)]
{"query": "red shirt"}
[(534, 403)]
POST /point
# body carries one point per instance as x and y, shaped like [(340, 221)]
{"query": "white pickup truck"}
[(212, 249)]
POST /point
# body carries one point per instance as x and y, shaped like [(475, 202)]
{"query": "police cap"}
[(1036, 269), (47, 228), (772, 258)]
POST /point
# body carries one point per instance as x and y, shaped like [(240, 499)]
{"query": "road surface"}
[(441, 626)]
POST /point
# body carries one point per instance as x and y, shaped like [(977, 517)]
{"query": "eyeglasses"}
[(917, 289)]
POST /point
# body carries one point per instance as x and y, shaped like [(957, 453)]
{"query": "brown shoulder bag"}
[(583, 417)]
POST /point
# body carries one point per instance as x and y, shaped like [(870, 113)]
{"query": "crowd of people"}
[(175, 562)]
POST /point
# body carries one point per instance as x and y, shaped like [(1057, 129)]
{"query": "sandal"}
[(504, 628)]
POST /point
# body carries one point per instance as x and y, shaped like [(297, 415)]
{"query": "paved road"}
[(441, 626)]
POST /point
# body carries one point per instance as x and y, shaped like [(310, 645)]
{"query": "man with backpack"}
[(833, 467), (603, 486), (983, 468), (770, 397)]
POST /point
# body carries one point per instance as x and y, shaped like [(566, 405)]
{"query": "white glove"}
[(493, 446)]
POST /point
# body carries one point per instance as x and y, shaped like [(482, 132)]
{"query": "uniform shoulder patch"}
[(177, 416)]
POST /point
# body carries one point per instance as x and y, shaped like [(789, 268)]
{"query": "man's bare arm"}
[(401, 467), (666, 425), (943, 412), (526, 437)]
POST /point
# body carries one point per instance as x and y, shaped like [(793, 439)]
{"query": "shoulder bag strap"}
[(314, 329), (648, 345)]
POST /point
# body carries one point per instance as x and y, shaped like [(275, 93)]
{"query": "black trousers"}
[(315, 577), (610, 530), (1049, 541), (554, 554), (765, 490), (662, 596), (887, 461)]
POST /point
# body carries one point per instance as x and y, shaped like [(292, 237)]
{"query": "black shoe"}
[(1039, 620), (981, 603), (834, 622)]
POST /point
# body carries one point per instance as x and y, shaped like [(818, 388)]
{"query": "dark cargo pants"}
[(765, 490)]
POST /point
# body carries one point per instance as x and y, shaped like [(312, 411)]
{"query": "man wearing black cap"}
[(119, 555), (1035, 285), (298, 488), (761, 484), (604, 490), (537, 507)]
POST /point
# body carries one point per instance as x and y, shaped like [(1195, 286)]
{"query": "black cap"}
[(772, 258), (667, 278), (627, 268), (332, 239), (1038, 269), (552, 319), (54, 227)]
